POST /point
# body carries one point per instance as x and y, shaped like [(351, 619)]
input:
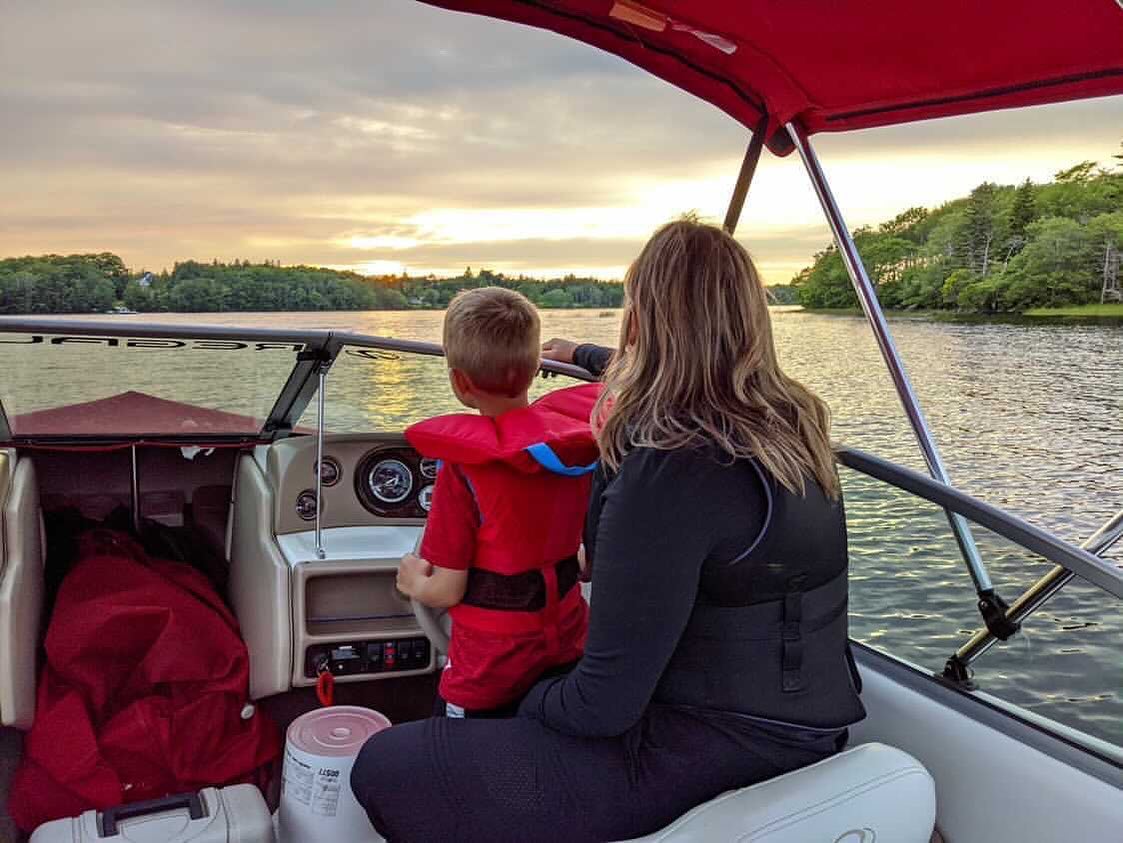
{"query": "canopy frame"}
[(745, 176), (990, 604), (1033, 598)]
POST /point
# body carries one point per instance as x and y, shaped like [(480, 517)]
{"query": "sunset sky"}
[(384, 135)]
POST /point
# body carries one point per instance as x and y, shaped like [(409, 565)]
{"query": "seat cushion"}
[(867, 793)]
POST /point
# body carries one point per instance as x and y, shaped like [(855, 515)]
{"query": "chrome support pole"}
[(323, 376), (1034, 597), (867, 295), (134, 490), (745, 176)]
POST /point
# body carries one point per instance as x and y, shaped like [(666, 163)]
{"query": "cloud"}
[(393, 134)]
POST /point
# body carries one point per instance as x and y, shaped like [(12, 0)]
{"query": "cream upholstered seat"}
[(21, 588), (871, 792)]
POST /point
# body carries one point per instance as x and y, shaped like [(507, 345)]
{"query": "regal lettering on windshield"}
[(151, 344)]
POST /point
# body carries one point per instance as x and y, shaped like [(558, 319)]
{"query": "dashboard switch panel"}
[(353, 658)]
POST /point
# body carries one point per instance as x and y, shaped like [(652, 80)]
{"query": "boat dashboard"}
[(340, 608)]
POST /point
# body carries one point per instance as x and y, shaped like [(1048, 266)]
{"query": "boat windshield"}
[(107, 386), (375, 389)]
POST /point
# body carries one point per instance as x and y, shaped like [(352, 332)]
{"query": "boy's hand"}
[(413, 571), (559, 349)]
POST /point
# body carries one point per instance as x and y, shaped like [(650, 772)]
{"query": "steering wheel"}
[(435, 623)]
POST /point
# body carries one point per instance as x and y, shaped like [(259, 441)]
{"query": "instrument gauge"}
[(429, 469), (330, 472), (390, 481), (306, 505), (425, 497)]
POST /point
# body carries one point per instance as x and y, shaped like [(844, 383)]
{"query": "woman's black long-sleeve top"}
[(670, 537)]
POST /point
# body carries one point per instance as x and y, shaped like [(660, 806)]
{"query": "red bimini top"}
[(850, 64), (508, 507)]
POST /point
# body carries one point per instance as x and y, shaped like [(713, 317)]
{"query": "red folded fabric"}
[(143, 690)]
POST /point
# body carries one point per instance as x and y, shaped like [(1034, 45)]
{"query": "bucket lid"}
[(339, 730)]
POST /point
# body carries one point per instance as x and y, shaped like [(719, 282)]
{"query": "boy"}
[(502, 536)]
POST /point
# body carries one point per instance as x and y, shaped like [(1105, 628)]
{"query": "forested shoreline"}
[(1003, 249), (97, 283)]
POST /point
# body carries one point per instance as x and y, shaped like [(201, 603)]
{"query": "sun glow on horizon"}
[(494, 150)]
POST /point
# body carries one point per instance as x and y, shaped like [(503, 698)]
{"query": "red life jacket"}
[(529, 471)]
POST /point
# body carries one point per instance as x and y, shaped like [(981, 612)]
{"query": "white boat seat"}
[(867, 793), (21, 588)]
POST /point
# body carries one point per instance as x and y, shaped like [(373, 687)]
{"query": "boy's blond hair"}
[(493, 335)]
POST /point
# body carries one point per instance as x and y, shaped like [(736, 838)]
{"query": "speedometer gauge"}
[(390, 481)]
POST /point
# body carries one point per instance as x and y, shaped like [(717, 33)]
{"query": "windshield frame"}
[(320, 348)]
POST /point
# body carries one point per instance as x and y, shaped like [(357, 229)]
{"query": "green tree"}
[(1057, 267), (1024, 209), (557, 298), (1078, 174), (978, 233)]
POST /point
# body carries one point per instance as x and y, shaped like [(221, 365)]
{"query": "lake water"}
[(1029, 417)]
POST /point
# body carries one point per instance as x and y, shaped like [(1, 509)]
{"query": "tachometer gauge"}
[(425, 497), (428, 470), (330, 471), (390, 481)]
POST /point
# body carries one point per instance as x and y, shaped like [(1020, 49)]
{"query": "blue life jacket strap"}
[(544, 455)]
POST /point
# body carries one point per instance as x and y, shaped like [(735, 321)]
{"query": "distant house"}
[(146, 279)]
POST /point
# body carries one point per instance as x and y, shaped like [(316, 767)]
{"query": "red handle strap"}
[(325, 688)]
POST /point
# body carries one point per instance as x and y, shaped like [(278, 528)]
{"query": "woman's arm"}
[(593, 358), (651, 543)]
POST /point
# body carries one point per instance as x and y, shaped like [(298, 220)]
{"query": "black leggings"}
[(516, 779)]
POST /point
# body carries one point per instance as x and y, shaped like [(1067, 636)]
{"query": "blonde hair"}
[(697, 364), (493, 336)]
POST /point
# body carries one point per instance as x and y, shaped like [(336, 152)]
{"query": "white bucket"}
[(317, 805)]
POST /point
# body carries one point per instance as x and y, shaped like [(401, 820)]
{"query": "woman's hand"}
[(559, 350), (413, 571)]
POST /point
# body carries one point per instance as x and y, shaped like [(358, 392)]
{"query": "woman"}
[(717, 653)]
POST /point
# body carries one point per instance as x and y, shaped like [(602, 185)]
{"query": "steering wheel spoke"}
[(435, 623)]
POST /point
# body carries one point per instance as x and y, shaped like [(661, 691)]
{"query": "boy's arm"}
[(437, 588), (439, 576)]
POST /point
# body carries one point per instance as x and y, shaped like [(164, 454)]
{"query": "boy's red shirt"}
[(496, 509)]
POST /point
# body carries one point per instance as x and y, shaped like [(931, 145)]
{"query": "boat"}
[(283, 450)]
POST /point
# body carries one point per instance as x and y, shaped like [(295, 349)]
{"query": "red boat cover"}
[(132, 414), (836, 66), (559, 419), (143, 690)]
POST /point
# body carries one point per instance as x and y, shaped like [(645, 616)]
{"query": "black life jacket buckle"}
[(791, 646)]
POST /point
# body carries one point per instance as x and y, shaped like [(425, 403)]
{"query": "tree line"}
[(95, 283), (1000, 249)]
